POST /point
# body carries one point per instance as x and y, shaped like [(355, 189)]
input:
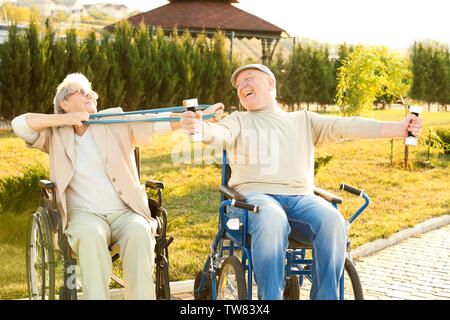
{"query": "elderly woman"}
[(100, 197)]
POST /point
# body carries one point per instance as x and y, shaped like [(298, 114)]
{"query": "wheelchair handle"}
[(359, 193), (351, 190), (245, 206)]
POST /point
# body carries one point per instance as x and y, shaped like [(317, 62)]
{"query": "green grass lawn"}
[(399, 198)]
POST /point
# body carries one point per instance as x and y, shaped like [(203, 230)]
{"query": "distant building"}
[(52, 7), (116, 11), (198, 16)]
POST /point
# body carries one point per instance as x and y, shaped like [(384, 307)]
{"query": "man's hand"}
[(190, 122), (400, 129), (217, 109), (413, 124)]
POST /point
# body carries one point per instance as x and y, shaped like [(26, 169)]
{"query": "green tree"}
[(115, 86), (15, 74), (310, 75), (56, 56), (297, 76), (368, 73), (42, 75), (183, 55), (52, 59), (128, 63), (421, 72), (343, 52), (430, 73), (149, 60), (447, 81), (439, 75), (325, 80), (205, 70), (279, 68), (166, 69), (223, 91), (73, 50), (96, 67)]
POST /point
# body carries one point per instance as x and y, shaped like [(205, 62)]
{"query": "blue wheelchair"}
[(226, 277)]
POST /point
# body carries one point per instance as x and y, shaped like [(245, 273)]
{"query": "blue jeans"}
[(306, 218)]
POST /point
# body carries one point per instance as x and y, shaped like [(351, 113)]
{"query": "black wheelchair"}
[(51, 268), (225, 276)]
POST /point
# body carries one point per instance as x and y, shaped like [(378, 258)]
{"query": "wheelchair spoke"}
[(232, 284), (231, 289)]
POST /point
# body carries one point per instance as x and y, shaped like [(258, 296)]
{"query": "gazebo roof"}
[(208, 15)]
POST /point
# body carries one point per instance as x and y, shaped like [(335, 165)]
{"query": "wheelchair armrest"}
[(47, 184), (231, 193), (154, 184), (327, 195), (239, 199)]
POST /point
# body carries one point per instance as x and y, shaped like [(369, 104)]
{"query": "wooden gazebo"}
[(209, 16)]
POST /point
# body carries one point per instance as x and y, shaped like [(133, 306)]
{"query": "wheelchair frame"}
[(209, 281), (46, 237)]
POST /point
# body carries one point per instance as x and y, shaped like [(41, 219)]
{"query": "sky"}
[(393, 23)]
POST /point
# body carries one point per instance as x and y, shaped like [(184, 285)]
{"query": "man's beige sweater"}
[(272, 151)]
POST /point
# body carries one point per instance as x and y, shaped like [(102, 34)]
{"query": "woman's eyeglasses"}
[(85, 94)]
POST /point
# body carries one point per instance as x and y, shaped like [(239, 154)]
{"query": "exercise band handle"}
[(350, 189)]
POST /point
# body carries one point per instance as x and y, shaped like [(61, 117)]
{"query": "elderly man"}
[(272, 161), (100, 197)]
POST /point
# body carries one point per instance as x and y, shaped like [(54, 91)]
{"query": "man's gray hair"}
[(65, 88)]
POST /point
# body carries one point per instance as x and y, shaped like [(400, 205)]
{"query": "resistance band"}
[(170, 109)]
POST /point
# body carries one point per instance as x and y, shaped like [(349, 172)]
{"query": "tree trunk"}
[(406, 156)]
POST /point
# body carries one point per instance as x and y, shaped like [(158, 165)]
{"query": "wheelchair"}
[(225, 276), (51, 269)]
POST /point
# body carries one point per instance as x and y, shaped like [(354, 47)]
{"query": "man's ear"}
[(271, 83)]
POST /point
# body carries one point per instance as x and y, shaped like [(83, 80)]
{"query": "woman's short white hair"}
[(66, 88)]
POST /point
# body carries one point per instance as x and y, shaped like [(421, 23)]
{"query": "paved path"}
[(415, 268)]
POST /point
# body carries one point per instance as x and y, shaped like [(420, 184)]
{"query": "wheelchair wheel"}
[(292, 288), (162, 278), (40, 258), (232, 284), (206, 293), (352, 284)]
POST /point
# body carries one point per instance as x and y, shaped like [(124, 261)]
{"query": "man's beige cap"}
[(260, 67)]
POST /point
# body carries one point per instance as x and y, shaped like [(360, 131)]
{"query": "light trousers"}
[(90, 236), (306, 218)]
